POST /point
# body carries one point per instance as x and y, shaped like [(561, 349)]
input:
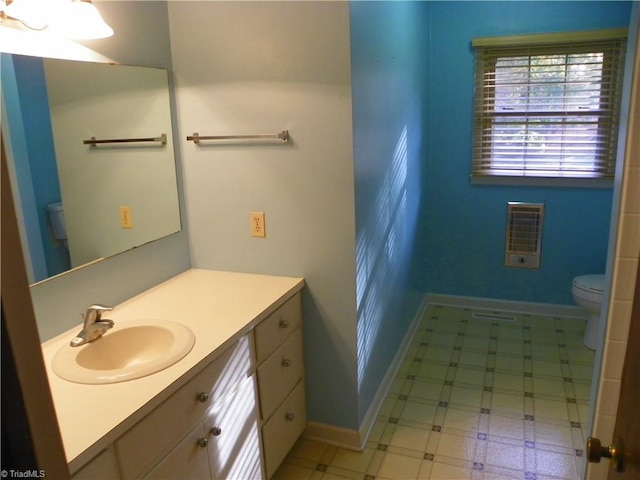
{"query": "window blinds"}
[(547, 108)]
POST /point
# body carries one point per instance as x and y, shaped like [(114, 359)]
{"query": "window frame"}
[(489, 50)]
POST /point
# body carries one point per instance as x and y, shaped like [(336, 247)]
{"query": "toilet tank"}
[(56, 219)]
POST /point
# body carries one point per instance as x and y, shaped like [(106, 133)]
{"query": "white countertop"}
[(218, 306)]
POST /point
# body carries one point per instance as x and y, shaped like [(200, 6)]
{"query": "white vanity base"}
[(248, 331)]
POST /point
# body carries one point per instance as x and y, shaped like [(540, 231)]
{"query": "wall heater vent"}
[(524, 234)]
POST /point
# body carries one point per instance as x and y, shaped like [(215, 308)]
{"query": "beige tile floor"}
[(475, 398)]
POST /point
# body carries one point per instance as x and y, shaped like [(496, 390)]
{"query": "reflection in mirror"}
[(78, 203)]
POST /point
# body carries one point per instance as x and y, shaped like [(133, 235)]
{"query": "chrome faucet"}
[(94, 325)]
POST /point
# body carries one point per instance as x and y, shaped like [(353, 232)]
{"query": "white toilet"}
[(56, 220), (587, 293)]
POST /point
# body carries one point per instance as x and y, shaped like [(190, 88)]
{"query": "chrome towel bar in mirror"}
[(94, 142)]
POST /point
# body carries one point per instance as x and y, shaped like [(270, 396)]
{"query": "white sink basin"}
[(127, 351)]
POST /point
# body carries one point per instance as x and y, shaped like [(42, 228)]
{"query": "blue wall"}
[(25, 88), (388, 52), (420, 224), (462, 226)]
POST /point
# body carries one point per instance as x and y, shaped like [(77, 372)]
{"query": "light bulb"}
[(80, 20)]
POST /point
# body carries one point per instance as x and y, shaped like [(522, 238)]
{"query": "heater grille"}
[(524, 234)]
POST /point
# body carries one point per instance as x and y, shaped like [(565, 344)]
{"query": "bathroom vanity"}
[(231, 408)]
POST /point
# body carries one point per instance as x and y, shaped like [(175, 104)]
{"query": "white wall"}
[(261, 67)]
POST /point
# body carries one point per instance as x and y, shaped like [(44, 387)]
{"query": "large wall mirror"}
[(77, 201)]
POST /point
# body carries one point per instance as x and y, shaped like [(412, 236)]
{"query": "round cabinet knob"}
[(284, 324), (289, 417), (286, 362), (215, 431), (203, 397), (203, 442)]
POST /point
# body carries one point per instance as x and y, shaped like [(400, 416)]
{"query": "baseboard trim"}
[(330, 434), (564, 311), (369, 419), (356, 440)]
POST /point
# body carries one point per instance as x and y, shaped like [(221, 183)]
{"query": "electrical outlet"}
[(257, 224), (125, 217)]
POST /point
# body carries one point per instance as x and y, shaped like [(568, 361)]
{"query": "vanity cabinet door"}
[(189, 460), (153, 437), (233, 432)]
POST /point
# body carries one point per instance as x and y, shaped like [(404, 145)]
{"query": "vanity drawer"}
[(273, 330), (279, 373), (283, 429), (153, 436)]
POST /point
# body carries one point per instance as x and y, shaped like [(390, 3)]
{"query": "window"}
[(548, 105)]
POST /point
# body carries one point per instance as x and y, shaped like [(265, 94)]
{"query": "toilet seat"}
[(590, 283)]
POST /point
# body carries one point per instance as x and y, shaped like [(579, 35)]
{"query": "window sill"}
[(542, 181)]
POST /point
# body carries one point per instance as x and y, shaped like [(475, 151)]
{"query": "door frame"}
[(622, 265), (32, 434)]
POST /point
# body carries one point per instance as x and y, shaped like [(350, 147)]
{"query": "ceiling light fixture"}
[(33, 14), (77, 19)]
